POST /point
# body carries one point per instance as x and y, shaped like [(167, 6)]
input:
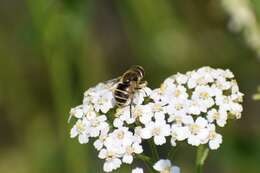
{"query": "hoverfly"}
[(126, 85)]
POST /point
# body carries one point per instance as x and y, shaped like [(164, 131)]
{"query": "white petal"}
[(175, 169), (128, 159), (162, 164), (215, 143), (159, 140), (146, 133), (118, 122), (202, 122), (73, 132), (193, 140), (173, 141), (102, 154), (138, 170), (83, 139), (98, 144)]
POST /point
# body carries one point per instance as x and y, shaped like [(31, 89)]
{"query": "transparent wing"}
[(112, 83)]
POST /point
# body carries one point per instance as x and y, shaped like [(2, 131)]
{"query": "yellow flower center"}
[(194, 128), (156, 131), (204, 95), (137, 112), (178, 106), (212, 135), (120, 135), (95, 123), (110, 154), (177, 93), (80, 127), (129, 150), (178, 119), (166, 170), (157, 107), (215, 115), (101, 101)]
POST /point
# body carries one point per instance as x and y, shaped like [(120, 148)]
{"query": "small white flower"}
[(197, 79), (138, 170), (165, 166), (179, 133), (102, 102), (119, 137), (112, 161), (219, 116), (203, 96), (198, 131), (77, 112), (99, 143), (143, 113), (181, 78), (80, 130), (96, 125), (195, 107), (101, 97), (88, 111), (130, 150), (158, 129), (140, 95), (174, 92), (214, 138)]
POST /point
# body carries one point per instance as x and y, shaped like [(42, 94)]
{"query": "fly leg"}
[(142, 85), (130, 106)]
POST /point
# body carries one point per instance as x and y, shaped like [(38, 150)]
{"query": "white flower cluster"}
[(195, 103), (243, 19), (186, 107)]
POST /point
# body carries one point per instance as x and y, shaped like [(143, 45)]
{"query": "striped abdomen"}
[(121, 94)]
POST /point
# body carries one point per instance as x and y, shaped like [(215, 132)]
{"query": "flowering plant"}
[(187, 107)]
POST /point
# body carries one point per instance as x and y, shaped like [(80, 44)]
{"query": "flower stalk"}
[(155, 154), (147, 161), (202, 154)]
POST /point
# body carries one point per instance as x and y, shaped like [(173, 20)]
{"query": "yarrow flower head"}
[(189, 107)]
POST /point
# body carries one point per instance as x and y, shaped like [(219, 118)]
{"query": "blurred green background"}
[(53, 50)]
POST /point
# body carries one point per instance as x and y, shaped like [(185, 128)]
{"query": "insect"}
[(125, 86), (128, 83)]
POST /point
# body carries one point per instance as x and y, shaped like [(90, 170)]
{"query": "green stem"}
[(155, 154), (147, 160), (202, 153), (171, 153)]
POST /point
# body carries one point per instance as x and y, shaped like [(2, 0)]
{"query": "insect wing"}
[(112, 83)]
